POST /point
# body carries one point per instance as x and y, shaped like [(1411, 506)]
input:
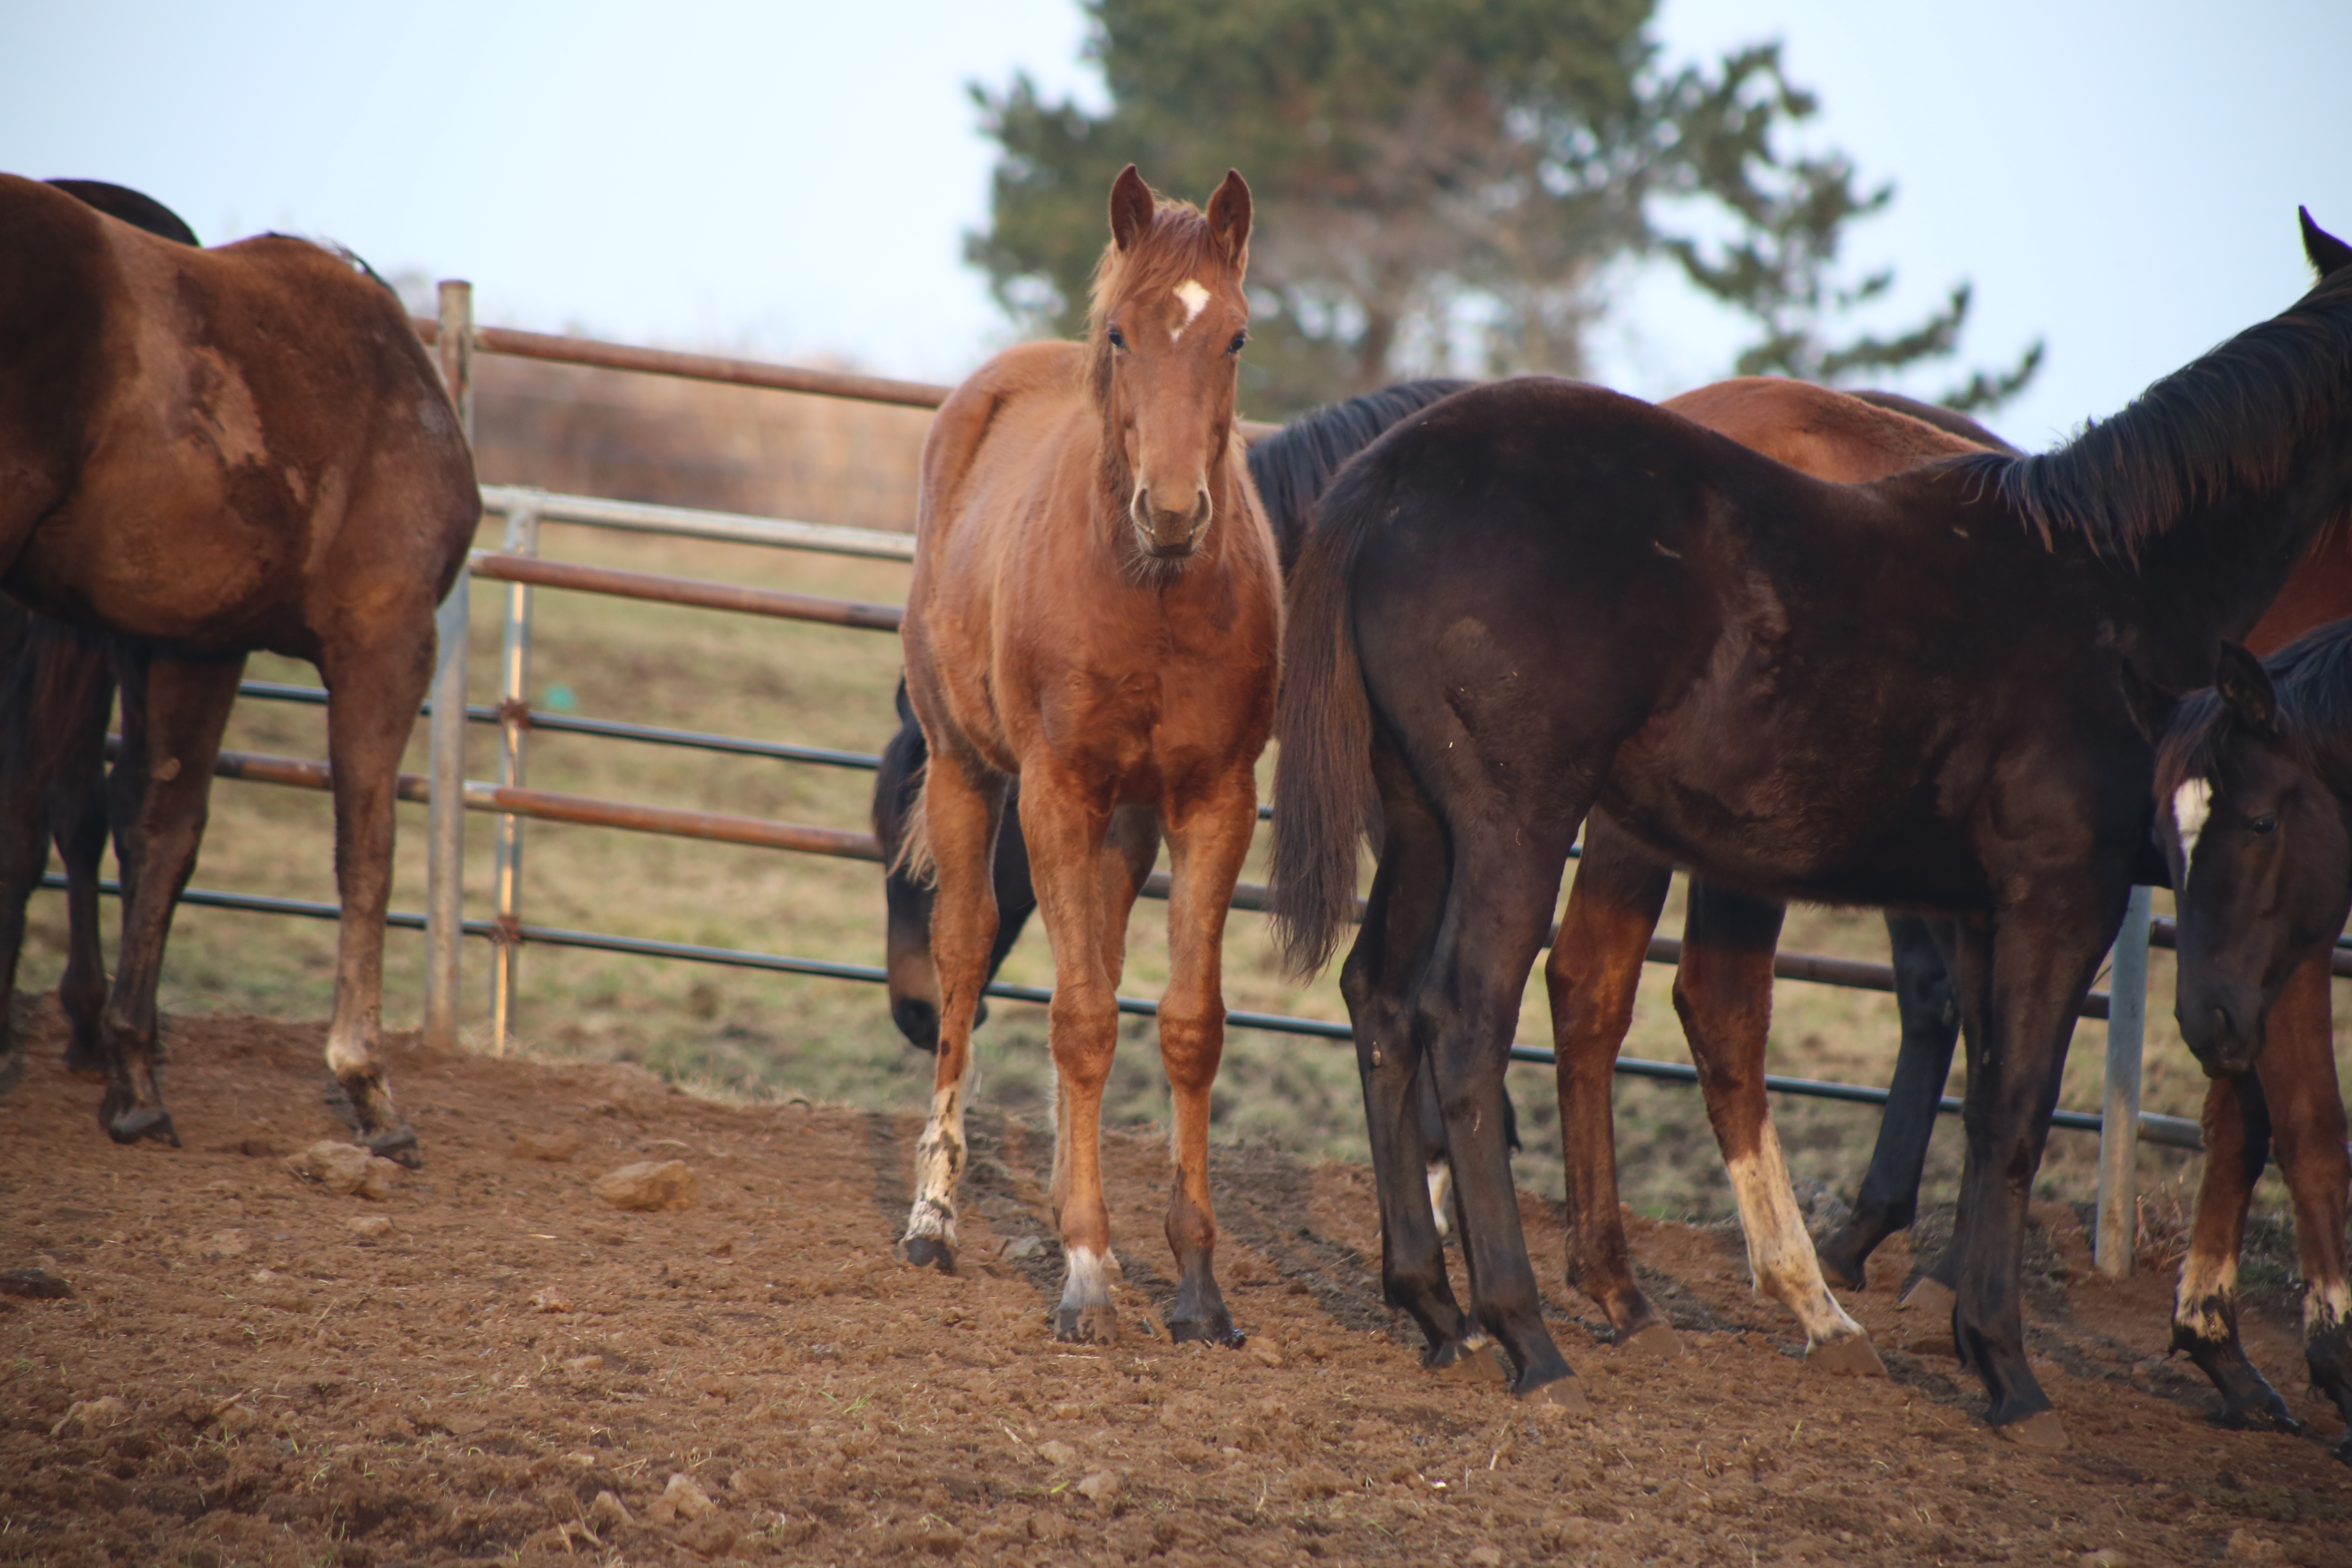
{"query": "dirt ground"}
[(250, 1369)]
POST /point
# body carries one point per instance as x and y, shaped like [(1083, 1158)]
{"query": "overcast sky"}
[(794, 180)]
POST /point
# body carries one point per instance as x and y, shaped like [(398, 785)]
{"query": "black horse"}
[(1537, 598)]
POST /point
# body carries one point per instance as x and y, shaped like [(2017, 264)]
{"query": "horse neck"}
[(2211, 573)]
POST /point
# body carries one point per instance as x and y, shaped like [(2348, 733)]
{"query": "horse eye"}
[(1235, 346), (1118, 338), (2263, 824)]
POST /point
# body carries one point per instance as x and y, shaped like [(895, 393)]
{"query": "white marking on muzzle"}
[(1195, 300), (2192, 802)]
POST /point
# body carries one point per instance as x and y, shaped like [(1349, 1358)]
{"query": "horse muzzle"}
[(2223, 1027), (1165, 535)]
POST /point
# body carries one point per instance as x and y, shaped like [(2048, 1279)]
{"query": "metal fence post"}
[(444, 876), (514, 726), (2118, 1229)]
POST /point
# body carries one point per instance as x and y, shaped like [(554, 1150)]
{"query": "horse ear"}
[(2150, 705), (1229, 217), (1131, 206), (2246, 687), (2327, 253)]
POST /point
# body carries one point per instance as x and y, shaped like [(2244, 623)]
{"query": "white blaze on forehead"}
[(2192, 802), (1195, 299)]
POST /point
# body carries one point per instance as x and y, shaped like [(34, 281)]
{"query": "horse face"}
[(2260, 859), (1175, 333)]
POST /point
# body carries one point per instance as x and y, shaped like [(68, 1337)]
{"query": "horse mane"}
[(1292, 467), (2313, 678), (2230, 420), (340, 252)]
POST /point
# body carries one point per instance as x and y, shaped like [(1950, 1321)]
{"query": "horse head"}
[(1169, 321), (2260, 854)]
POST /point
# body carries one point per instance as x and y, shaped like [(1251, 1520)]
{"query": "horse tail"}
[(1323, 720)]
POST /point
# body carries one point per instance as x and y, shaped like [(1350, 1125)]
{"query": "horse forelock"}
[(2231, 421), (2313, 678)]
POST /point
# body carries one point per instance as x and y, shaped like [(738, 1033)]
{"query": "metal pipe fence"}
[(519, 566)]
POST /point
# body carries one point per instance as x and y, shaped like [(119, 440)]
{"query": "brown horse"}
[(211, 452), (1096, 611)]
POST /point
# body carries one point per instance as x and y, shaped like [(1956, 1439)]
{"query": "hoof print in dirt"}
[(1560, 1393), (650, 1186), (34, 1285), (2042, 1432), (927, 1252), (1658, 1341), (1848, 1355), (1469, 1363), (1086, 1325)]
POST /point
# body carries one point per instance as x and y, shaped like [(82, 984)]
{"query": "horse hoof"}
[(2042, 1432), (1851, 1355), (1214, 1331), (142, 1122), (2269, 1415), (1657, 1341), (927, 1252), (85, 1064), (1562, 1393), (1466, 1363), (399, 1144), (1086, 1325), (1843, 1262), (2343, 1451)]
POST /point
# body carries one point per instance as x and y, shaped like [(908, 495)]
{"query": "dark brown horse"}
[(56, 694), (211, 452), (1096, 611), (1537, 598), (2254, 781)]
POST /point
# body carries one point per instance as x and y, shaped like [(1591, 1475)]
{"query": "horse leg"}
[(23, 822), (1889, 1199), (1066, 833), (373, 689), (78, 813), (2297, 1071), (2205, 1301), (1375, 981), (1497, 908), (1592, 976), (1723, 991), (1207, 843), (2021, 979), (180, 707), (962, 808)]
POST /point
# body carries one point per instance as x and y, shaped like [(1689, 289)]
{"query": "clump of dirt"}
[(491, 1363)]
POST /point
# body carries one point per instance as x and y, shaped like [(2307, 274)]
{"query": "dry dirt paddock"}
[(491, 1364)]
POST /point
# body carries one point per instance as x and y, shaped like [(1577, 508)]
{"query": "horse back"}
[(268, 453), (1826, 434)]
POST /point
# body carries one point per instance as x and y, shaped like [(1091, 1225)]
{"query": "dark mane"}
[(1291, 466), (2313, 678), (2230, 420)]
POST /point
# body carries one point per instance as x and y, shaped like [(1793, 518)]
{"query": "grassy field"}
[(763, 1035)]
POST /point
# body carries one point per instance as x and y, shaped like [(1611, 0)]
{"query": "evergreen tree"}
[(1444, 184)]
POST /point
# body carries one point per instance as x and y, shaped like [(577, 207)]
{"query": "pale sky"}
[(793, 180)]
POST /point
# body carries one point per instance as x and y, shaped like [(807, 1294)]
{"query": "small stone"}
[(234, 1418), (345, 1168), (554, 1148), (374, 1226), (683, 1498), (2245, 1546), (1055, 1452), (1486, 1556), (551, 1298), (1264, 1354), (1023, 1247), (34, 1285), (650, 1186), (580, 1364), (1102, 1487), (90, 1416), (582, 1458), (609, 1510), (2105, 1557)]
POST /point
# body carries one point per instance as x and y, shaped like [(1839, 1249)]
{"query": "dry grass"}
[(759, 1035)]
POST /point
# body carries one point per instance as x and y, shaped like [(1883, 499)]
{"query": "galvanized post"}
[(514, 726), (2118, 1230), (444, 874)]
